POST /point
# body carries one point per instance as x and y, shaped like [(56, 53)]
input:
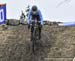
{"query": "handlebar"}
[(34, 22)]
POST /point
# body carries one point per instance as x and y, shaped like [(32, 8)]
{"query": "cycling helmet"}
[(34, 9)]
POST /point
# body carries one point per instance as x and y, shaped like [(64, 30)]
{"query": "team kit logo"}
[(2, 13)]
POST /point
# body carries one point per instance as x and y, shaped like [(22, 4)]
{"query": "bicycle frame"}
[(35, 34)]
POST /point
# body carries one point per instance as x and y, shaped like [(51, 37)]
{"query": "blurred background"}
[(52, 10)]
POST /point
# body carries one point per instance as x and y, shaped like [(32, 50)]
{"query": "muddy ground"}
[(57, 44)]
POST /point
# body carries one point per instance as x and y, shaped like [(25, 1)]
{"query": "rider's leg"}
[(40, 27)]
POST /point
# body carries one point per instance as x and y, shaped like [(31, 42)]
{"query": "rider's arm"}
[(41, 18), (29, 15)]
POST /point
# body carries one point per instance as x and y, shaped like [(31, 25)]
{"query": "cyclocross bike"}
[(35, 34)]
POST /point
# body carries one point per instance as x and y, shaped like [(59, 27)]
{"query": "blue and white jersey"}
[(38, 13)]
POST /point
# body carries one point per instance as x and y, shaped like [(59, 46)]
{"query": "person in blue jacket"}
[(35, 13)]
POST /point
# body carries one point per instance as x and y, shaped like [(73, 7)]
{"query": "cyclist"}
[(27, 10), (35, 13), (22, 17)]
